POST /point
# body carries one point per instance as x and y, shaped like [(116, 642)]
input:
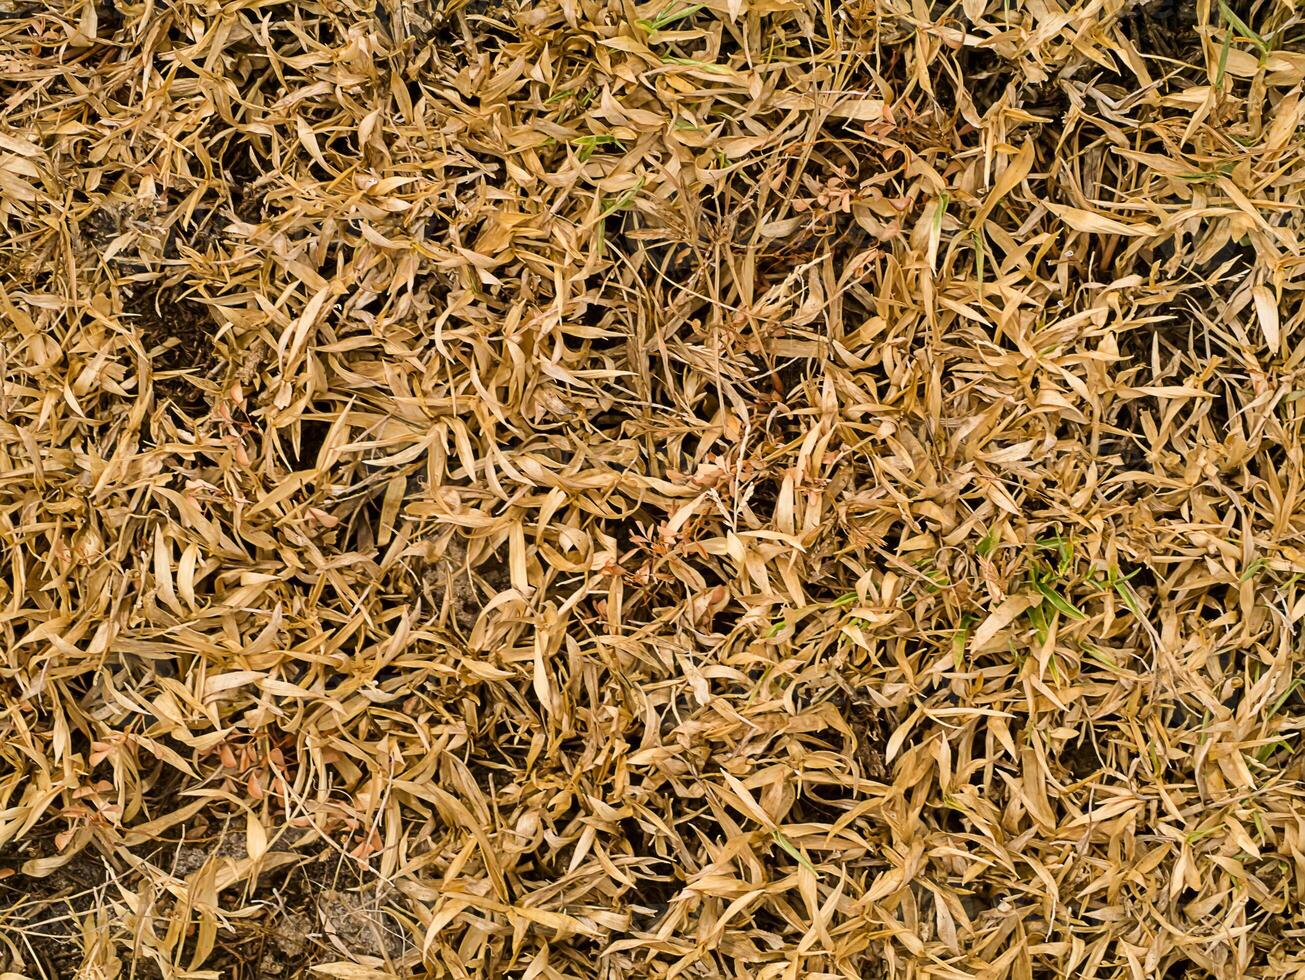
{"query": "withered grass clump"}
[(584, 489)]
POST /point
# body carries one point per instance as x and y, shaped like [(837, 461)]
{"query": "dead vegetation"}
[(753, 488)]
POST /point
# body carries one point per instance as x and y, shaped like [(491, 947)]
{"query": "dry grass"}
[(757, 488)]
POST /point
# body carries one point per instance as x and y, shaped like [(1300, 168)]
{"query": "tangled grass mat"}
[(767, 489)]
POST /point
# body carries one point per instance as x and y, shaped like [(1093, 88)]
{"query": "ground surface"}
[(759, 488)]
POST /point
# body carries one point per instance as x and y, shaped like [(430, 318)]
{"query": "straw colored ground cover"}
[(754, 489)]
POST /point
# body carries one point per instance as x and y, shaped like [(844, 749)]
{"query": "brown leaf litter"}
[(745, 488)]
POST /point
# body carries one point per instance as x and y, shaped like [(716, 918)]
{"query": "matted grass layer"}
[(758, 488)]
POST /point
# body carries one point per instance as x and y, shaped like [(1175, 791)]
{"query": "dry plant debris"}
[(579, 488)]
